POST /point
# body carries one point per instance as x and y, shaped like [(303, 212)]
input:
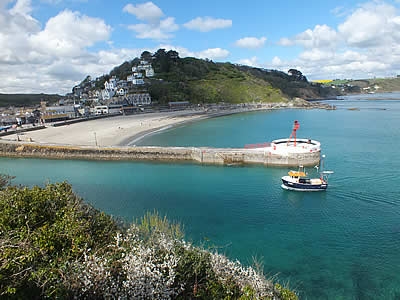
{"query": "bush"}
[(54, 245), (41, 230)]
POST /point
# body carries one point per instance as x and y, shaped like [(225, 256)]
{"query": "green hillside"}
[(200, 81), (387, 84), (204, 81), (381, 85)]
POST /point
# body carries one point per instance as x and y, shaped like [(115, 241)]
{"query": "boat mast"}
[(322, 163), (296, 125)]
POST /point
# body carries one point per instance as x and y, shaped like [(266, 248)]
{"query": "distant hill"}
[(21, 100), (381, 85)]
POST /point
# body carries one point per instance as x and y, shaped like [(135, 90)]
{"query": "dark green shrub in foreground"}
[(41, 231), (54, 245)]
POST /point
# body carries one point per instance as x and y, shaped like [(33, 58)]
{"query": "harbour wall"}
[(201, 155)]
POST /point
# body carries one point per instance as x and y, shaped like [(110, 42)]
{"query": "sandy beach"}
[(126, 130), (112, 131)]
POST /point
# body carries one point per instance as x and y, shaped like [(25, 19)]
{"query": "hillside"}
[(198, 81), (204, 81), (381, 85)]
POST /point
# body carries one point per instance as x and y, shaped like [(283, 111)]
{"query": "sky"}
[(49, 46)]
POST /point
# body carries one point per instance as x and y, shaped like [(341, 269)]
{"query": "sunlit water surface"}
[(340, 244)]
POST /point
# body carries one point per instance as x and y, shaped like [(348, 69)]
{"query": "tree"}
[(172, 54), (297, 75), (146, 55)]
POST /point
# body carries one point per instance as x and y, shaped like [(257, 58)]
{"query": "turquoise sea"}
[(340, 244)]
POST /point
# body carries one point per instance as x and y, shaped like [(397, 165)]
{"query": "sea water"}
[(340, 244)]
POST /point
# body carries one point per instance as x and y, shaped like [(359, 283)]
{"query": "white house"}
[(100, 110), (121, 92), (137, 81), (145, 66), (140, 99), (137, 73), (52, 113), (136, 78), (107, 94)]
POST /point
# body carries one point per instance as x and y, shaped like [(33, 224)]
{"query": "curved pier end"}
[(279, 153)]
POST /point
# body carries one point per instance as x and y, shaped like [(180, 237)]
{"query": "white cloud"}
[(148, 12), (207, 24), (155, 27), (366, 43), (51, 59), (317, 55), (369, 25), (322, 36), (253, 62), (22, 7), (285, 42), (276, 61), (251, 42), (69, 33), (213, 53), (160, 31), (349, 56), (115, 57)]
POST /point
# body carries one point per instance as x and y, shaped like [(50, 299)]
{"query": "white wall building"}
[(140, 99), (121, 92), (146, 67), (137, 77)]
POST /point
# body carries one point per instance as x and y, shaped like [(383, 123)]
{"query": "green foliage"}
[(203, 81), (285, 293), (53, 245), (5, 180), (152, 225), (41, 230), (195, 274)]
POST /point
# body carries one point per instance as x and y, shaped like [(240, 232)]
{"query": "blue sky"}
[(50, 45)]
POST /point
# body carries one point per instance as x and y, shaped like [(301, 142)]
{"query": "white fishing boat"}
[(299, 180)]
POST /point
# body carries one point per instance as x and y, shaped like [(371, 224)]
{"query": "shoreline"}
[(126, 130), (141, 135), (129, 141)]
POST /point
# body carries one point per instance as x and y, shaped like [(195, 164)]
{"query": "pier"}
[(278, 153)]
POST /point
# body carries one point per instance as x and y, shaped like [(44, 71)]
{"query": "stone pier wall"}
[(203, 155)]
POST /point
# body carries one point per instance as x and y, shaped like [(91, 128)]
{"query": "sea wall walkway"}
[(266, 156)]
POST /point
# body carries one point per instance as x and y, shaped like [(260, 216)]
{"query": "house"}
[(107, 94), (58, 113), (121, 92), (146, 67), (100, 110), (140, 99), (137, 73), (136, 78)]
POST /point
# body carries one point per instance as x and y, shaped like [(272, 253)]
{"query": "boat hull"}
[(303, 187)]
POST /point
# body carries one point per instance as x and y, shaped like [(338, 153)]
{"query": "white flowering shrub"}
[(130, 269), (227, 270), (155, 265)]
